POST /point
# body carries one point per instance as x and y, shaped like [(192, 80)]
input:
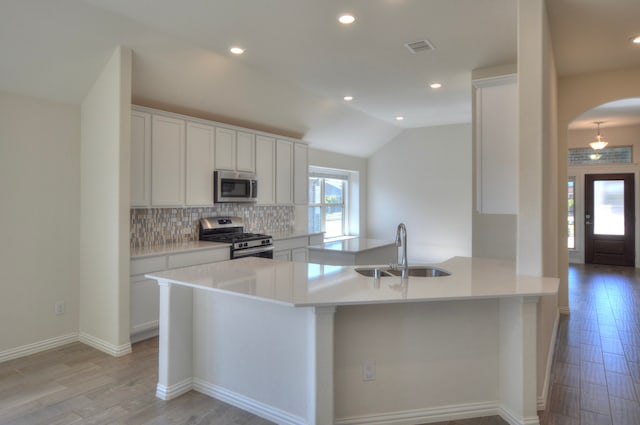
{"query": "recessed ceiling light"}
[(346, 19), (635, 39), (399, 118), (236, 50), (435, 85), (348, 98)]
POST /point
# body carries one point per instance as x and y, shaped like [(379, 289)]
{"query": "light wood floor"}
[(78, 385), (596, 370), (595, 374)]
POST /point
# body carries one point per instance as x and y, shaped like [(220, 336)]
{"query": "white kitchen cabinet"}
[(140, 159), (144, 299), (245, 152), (300, 255), (284, 172), (300, 173), (200, 163), (291, 249), (496, 134), (266, 169), (284, 255), (225, 149), (167, 161), (144, 307)]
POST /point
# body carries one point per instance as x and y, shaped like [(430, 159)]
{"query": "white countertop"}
[(291, 235), (174, 248), (302, 284), (353, 245)]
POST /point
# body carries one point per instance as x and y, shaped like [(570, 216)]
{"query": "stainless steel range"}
[(231, 230)]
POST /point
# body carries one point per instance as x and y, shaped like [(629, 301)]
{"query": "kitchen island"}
[(303, 343), (354, 251)]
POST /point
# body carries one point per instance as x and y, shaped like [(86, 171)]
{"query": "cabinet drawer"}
[(198, 257), (147, 265), (291, 243)]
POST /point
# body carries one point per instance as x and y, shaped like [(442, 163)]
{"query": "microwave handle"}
[(254, 188)]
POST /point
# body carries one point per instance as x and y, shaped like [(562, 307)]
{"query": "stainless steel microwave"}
[(230, 186)]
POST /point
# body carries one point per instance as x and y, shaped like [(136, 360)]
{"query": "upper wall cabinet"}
[(496, 135), (266, 169), (140, 159), (167, 161), (300, 173), (225, 151), (284, 172), (235, 150), (245, 152), (173, 158), (200, 163)]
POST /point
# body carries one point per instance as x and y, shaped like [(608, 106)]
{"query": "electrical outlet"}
[(59, 309), (369, 370)]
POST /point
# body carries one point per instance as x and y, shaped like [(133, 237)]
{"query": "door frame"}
[(576, 255), (629, 238)]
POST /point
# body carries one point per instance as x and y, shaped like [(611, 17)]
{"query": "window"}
[(571, 219), (613, 155), (327, 203)]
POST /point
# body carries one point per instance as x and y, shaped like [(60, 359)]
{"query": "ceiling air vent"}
[(419, 46)]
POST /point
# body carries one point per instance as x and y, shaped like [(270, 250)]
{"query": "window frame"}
[(323, 174)]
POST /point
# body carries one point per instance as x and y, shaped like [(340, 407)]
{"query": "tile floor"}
[(596, 371)]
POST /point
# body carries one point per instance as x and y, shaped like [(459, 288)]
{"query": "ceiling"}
[(299, 61)]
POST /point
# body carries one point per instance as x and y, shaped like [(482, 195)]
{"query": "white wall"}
[(104, 249), (39, 187), (320, 158), (423, 179)]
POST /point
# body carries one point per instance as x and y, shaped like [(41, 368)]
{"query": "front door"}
[(609, 219)]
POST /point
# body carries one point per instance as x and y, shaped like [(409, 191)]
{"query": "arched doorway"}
[(602, 184)]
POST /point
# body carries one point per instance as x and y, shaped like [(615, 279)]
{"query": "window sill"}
[(339, 238)]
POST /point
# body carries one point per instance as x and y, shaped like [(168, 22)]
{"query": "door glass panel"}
[(608, 206)]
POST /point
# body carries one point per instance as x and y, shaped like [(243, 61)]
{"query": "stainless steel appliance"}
[(231, 186), (231, 230)]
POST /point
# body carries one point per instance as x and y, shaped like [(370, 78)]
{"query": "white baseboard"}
[(542, 399), (141, 335), (175, 390), (511, 419), (245, 403), (36, 347), (104, 346), (427, 415)]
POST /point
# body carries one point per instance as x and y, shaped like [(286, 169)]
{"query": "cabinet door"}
[(167, 161), (284, 172), (144, 304), (246, 152), (225, 155), (496, 121), (300, 174), (140, 159), (199, 176), (282, 255), (265, 169), (299, 255)]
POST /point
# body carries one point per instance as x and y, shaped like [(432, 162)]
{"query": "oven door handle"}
[(250, 251)]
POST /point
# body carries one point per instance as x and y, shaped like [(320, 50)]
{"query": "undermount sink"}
[(416, 271)]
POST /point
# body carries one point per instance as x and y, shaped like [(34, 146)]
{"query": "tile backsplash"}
[(156, 226)]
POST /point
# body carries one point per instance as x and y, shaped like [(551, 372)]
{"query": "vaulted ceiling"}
[(299, 61)]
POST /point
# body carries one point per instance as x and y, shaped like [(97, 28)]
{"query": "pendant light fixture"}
[(599, 143)]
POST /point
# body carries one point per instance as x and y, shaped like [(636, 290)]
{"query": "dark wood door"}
[(609, 222)]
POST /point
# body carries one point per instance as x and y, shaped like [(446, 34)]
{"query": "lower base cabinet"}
[(145, 294), (295, 248)]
